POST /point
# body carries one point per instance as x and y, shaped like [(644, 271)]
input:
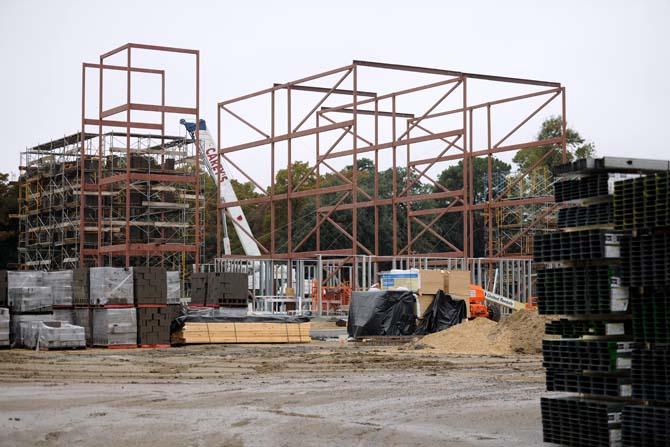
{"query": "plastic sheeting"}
[(114, 326), (4, 326), (64, 315), (442, 313), (30, 299), (111, 285), (19, 325), (27, 292), (61, 286), (54, 335), (173, 287), (389, 312)]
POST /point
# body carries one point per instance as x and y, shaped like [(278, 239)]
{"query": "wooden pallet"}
[(196, 333)]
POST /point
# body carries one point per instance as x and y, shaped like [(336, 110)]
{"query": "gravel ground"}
[(324, 393)]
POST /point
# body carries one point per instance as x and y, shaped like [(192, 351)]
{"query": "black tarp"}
[(442, 313), (382, 313), (179, 322)]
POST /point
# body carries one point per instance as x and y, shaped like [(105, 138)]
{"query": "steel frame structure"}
[(451, 144), (127, 180)]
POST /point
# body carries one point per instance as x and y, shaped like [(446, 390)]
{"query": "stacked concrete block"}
[(199, 288), (80, 287), (153, 324), (110, 286), (19, 324), (227, 289), (173, 286), (4, 327), (28, 293), (54, 335), (114, 327), (61, 287), (150, 285), (64, 315), (81, 316), (3, 288)]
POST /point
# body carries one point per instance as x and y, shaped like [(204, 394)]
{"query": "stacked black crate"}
[(589, 348), (642, 207), (154, 314)]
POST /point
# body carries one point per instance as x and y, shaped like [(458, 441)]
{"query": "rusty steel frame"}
[(129, 249), (459, 147)]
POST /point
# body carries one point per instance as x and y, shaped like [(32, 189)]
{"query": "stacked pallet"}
[(154, 314), (578, 278), (4, 327), (642, 205), (29, 298)]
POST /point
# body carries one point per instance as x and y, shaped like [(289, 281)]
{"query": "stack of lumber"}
[(242, 332)]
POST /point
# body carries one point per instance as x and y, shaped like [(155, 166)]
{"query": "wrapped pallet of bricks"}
[(114, 327), (227, 289), (153, 325), (4, 327), (28, 293), (61, 287), (111, 285), (64, 315), (199, 288), (19, 324), (80, 287), (54, 335), (173, 286), (150, 285)]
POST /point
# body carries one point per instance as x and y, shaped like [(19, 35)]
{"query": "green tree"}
[(552, 127)]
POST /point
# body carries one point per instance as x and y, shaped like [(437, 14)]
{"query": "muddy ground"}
[(324, 393)]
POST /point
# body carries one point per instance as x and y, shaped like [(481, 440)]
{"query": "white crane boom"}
[(210, 159)]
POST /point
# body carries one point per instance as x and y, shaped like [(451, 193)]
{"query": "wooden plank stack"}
[(242, 332)]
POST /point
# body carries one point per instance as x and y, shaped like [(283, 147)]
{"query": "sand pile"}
[(520, 333)]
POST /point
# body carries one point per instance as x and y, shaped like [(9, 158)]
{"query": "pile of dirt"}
[(521, 333)]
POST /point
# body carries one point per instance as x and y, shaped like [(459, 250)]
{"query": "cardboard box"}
[(457, 282), (430, 281), (424, 301)]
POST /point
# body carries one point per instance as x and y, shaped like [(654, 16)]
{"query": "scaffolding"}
[(121, 192)]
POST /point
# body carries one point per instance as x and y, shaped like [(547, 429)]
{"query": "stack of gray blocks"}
[(111, 285), (54, 335), (114, 326), (173, 287), (4, 327), (28, 292)]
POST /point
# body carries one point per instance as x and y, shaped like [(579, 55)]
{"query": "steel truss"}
[(135, 223), (446, 136)]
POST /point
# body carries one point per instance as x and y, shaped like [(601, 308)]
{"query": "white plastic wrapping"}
[(19, 324), (61, 286), (64, 315), (27, 292), (173, 287), (4, 326), (114, 326), (111, 285), (54, 335), (30, 299)]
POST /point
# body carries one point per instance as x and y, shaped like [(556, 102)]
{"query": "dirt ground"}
[(326, 393)]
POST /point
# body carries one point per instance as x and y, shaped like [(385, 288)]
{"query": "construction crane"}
[(212, 163)]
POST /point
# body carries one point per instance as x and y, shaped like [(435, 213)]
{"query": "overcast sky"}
[(612, 56)]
